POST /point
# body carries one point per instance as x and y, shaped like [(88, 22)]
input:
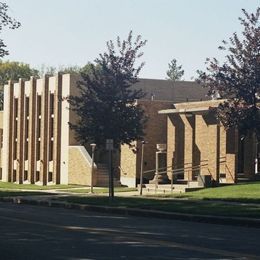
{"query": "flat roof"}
[(196, 110)]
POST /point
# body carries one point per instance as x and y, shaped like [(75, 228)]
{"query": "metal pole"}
[(256, 154), (157, 170), (141, 172), (93, 146), (111, 182)]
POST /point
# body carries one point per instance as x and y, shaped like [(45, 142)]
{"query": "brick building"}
[(39, 147)]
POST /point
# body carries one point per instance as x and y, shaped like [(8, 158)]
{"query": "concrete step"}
[(166, 188), (103, 176)]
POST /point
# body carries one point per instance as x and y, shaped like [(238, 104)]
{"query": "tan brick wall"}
[(222, 150), (1, 119), (201, 137), (231, 155), (79, 168), (249, 156), (213, 151), (128, 165), (155, 133), (201, 141), (189, 124)]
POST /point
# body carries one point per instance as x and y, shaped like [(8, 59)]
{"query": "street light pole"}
[(93, 146), (141, 171)]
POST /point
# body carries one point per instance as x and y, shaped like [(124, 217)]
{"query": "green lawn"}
[(12, 186), (197, 202), (169, 205), (100, 190), (249, 192), (15, 193)]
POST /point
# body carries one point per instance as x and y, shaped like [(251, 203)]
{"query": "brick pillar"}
[(214, 151), (189, 140), (201, 146), (222, 149), (231, 156), (8, 138), (57, 129), (20, 134), (249, 156), (44, 131), (170, 146), (32, 132)]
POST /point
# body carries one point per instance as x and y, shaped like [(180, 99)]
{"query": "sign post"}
[(109, 148)]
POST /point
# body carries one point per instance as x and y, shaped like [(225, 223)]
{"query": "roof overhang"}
[(197, 110)]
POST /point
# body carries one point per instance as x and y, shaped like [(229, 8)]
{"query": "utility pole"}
[(93, 146), (109, 148), (141, 171)]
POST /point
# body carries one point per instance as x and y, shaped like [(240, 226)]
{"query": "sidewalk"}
[(53, 201)]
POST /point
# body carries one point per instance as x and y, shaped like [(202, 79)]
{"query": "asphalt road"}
[(33, 232)]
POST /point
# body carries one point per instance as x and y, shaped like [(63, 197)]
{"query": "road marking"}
[(133, 237)]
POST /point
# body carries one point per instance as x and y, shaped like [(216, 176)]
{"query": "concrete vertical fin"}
[(20, 133), (32, 132), (44, 163), (8, 132), (57, 129)]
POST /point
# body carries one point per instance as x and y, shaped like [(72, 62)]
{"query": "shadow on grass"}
[(8, 193), (169, 205)]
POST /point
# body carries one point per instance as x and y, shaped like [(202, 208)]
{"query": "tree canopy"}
[(238, 79), (13, 70), (52, 70), (106, 106), (174, 72)]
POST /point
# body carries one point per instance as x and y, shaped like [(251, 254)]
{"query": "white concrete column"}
[(57, 129), (7, 162), (20, 133)]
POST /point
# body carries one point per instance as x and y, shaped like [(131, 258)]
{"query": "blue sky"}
[(65, 32)]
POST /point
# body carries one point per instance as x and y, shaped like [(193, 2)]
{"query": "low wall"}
[(80, 166)]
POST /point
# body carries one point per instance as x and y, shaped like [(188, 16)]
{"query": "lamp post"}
[(93, 146), (141, 171)]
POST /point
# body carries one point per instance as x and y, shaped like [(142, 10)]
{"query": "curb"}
[(234, 221)]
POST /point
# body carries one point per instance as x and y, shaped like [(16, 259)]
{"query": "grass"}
[(14, 193), (248, 193), (100, 190), (169, 205), (12, 186), (198, 202)]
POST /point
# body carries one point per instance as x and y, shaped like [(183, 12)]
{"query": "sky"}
[(68, 33)]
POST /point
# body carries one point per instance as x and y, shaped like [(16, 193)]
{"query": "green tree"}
[(13, 70), (174, 72), (106, 106), (6, 21), (238, 79), (51, 70)]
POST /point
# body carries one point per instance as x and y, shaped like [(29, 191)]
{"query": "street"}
[(34, 232)]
